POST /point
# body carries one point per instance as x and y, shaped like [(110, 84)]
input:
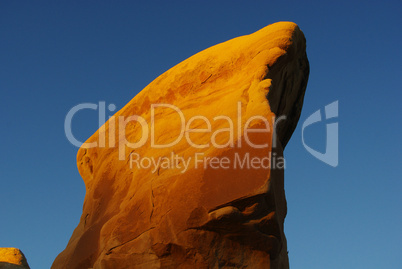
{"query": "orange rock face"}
[(12, 258), (189, 174)]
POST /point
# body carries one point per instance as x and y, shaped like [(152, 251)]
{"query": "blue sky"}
[(57, 54)]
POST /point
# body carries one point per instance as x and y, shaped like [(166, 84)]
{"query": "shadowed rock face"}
[(206, 203)]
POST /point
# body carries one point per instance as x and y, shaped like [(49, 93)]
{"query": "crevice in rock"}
[(122, 244)]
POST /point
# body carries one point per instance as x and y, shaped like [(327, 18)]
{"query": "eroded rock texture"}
[(203, 215)]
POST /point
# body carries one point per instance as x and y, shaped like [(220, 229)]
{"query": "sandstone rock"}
[(181, 213), (12, 258)]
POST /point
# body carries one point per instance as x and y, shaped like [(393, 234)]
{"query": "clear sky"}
[(57, 54)]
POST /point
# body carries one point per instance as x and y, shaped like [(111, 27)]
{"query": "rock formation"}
[(189, 174), (12, 258)]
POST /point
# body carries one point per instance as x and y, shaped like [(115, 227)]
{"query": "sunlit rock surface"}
[(12, 258), (149, 206)]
